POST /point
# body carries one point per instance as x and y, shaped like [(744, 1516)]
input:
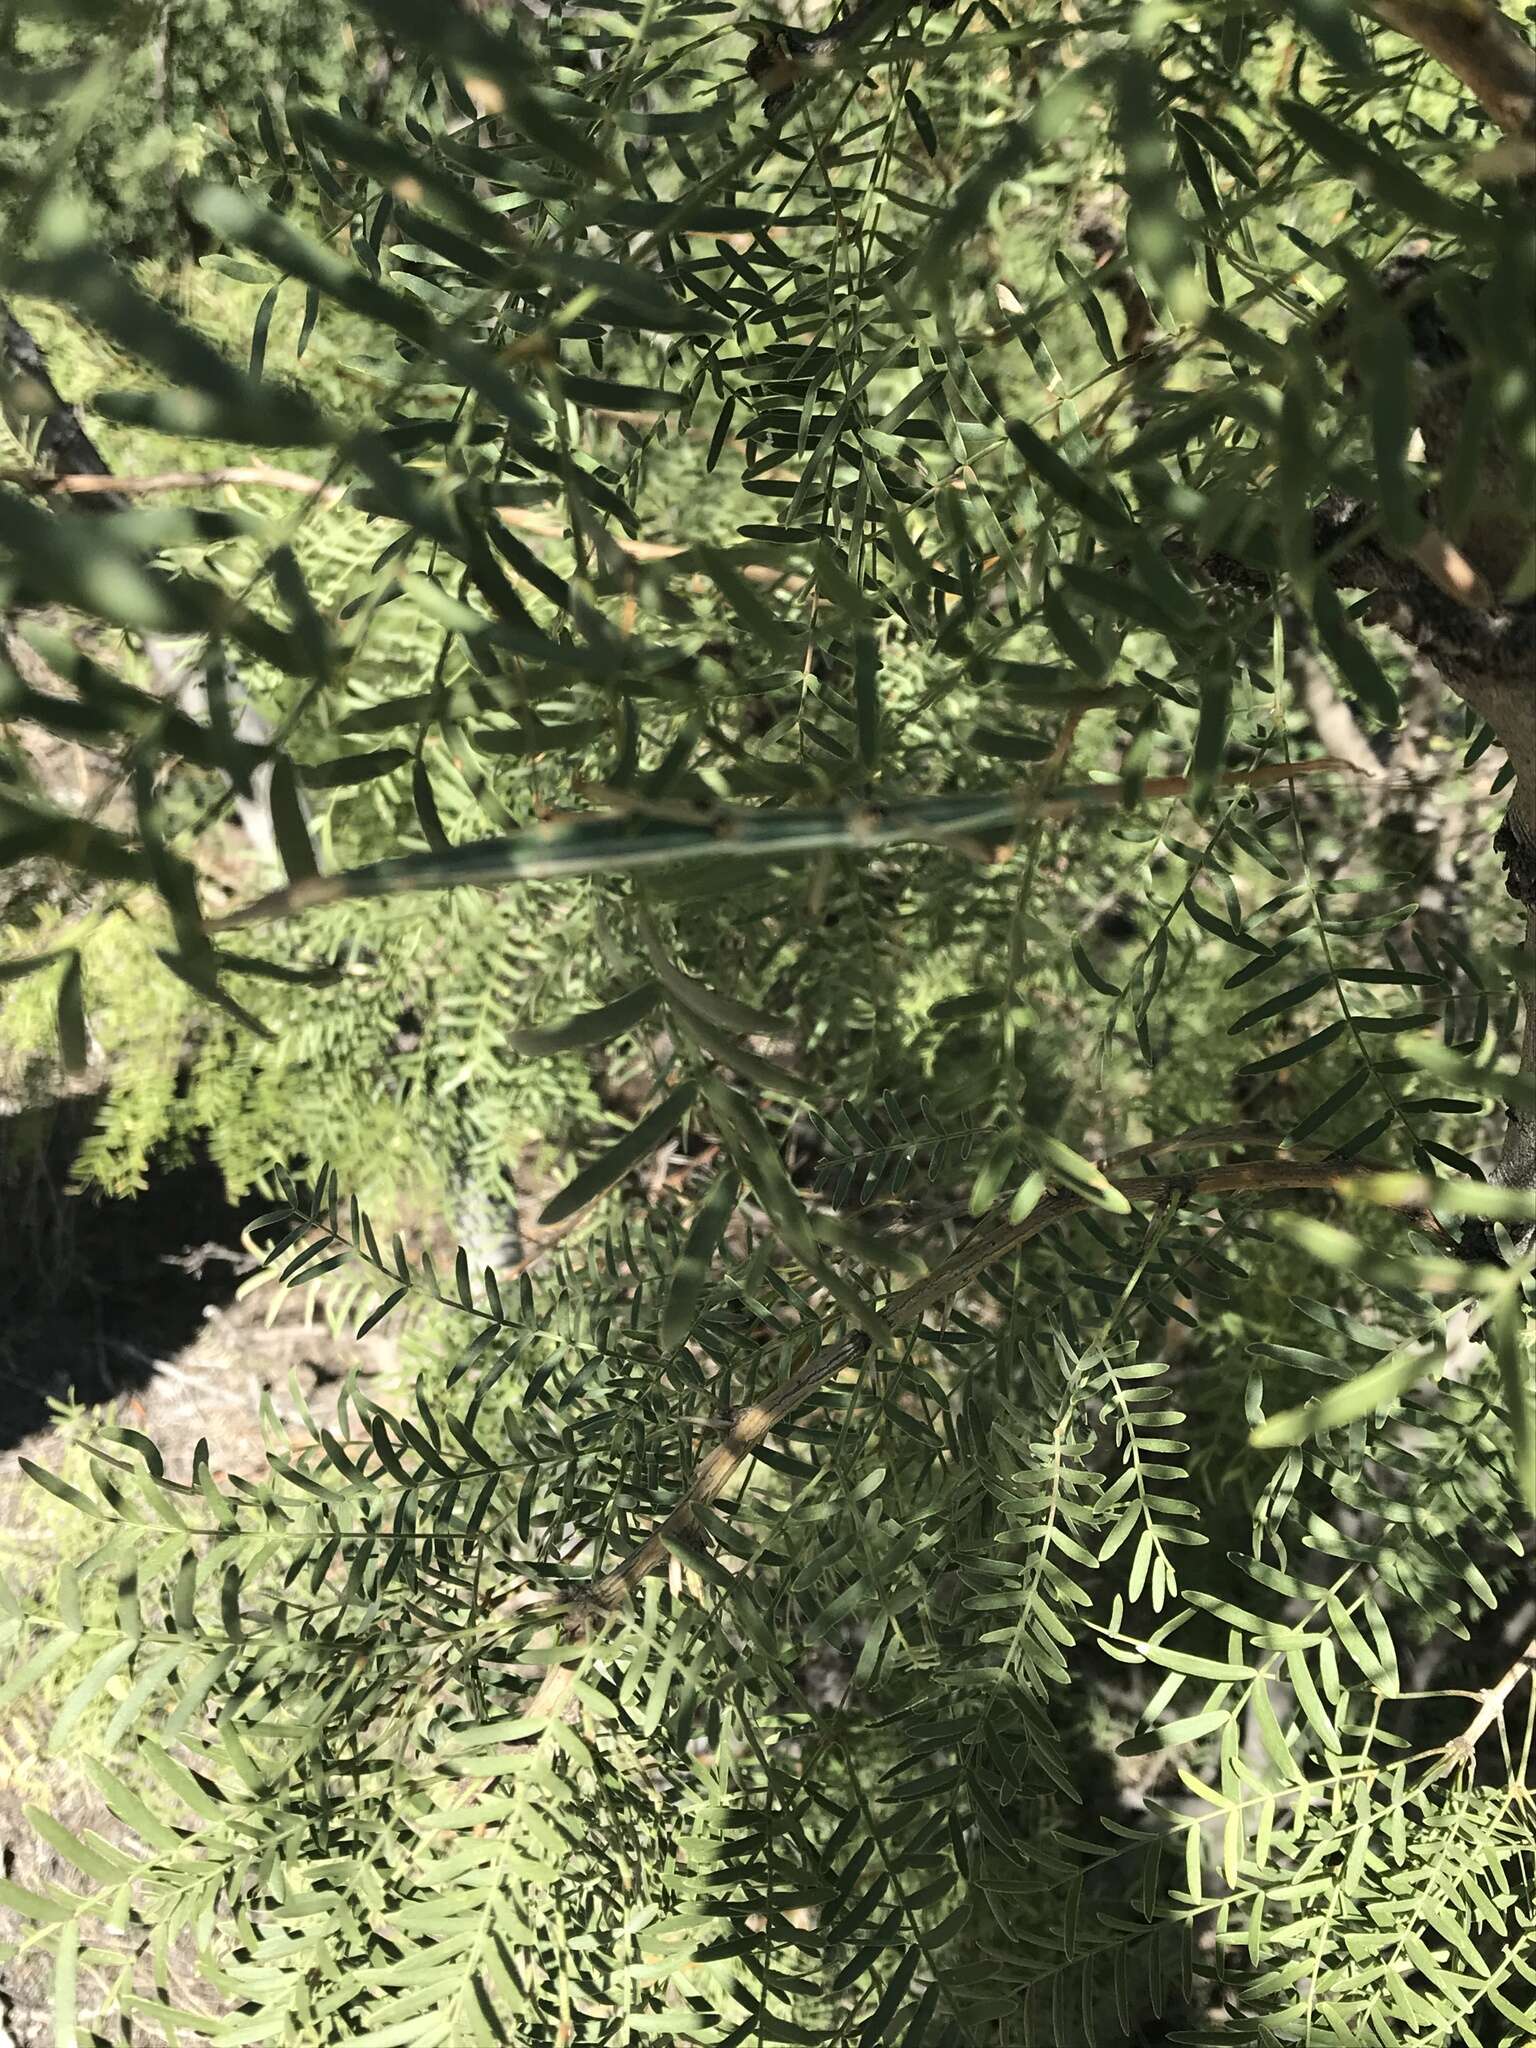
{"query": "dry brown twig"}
[(988, 1243), (1491, 1705), (251, 473)]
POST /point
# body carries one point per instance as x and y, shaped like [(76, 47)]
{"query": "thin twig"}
[(1491, 1708), (492, 863), (81, 485), (990, 1241)]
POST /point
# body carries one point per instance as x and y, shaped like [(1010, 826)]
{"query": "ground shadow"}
[(96, 1293)]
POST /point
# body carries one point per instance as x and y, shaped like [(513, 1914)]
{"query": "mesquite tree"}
[(986, 563)]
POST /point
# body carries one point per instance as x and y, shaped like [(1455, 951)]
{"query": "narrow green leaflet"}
[(288, 825), (611, 1166), (692, 1270), (592, 1027), (760, 1165), (726, 1012), (73, 1044), (1366, 1393)]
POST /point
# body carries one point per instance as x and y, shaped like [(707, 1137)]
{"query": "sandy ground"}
[(212, 1387)]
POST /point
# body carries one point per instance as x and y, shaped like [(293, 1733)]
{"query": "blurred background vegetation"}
[(167, 93)]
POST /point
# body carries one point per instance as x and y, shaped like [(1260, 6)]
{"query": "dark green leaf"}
[(611, 1166), (1091, 974), (288, 824), (692, 1269), (592, 1027), (73, 1045)]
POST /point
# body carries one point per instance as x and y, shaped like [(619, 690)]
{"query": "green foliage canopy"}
[(962, 483)]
